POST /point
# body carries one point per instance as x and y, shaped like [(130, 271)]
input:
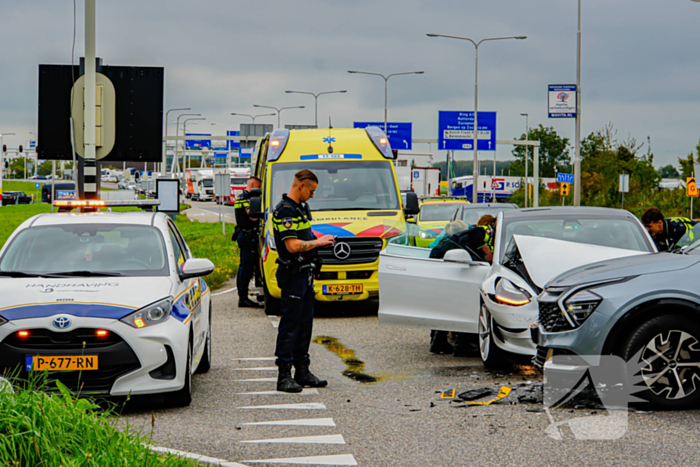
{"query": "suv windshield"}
[(437, 211), (342, 185), (611, 232), (124, 250)]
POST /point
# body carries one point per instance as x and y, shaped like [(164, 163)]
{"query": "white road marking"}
[(268, 359), (197, 457), (301, 422), (340, 459), (262, 368), (306, 406), (322, 439), (275, 324), (251, 380), (304, 392), (226, 291)]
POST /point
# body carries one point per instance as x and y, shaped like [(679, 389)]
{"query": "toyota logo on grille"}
[(342, 250), (61, 322)]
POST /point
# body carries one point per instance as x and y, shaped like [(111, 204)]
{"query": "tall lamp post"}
[(2, 162), (184, 131), (475, 170), (278, 110), (316, 100), (527, 153), (164, 166), (253, 117), (386, 87), (176, 163), (577, 144)]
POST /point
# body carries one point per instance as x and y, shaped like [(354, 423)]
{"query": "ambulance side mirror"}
[(411, 207), (256, 211)]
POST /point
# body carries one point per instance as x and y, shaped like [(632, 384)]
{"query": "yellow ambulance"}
[(357, 200)]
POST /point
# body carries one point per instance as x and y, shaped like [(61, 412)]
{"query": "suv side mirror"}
[(256, 211), (196, 267), (411, 207)]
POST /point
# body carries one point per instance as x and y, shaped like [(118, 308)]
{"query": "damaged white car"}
[(498, 301)]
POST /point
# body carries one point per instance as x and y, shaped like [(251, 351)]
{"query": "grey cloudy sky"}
[(640, 64)]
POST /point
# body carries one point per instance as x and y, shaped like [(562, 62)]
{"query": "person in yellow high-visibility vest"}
[(666, 232)]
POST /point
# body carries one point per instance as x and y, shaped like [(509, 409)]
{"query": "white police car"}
[(111, 303)]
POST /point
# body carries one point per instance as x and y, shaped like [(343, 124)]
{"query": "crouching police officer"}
[(297, 265), (246, 234), (666, 232)]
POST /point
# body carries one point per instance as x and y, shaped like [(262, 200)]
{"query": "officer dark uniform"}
[(674, 229), (295, 276), (246, 234)]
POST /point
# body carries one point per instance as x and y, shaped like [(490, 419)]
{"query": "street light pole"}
[(386, 87), (184, 131), (278, 110), (527, 153), (2, 163), (164, 166), (475, 170), (176, 161), (253, 116), (577, 146), (316, 100)]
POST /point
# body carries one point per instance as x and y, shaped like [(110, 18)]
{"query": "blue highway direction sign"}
[(565, 178), (456, 130), (233, 144), (198, 143), (400, 134)]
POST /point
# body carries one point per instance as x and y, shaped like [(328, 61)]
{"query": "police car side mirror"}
[(411, 207), (196, 267), (255, 211)]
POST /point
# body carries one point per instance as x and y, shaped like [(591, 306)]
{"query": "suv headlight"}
[(509, 294), (580, 305), (150, 315)]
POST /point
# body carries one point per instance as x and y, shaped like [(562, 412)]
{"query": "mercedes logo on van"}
[(61, 322), (342, 250)]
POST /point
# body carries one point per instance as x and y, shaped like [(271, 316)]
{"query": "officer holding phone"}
[(298, 263)]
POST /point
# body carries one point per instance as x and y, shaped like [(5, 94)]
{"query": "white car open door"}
[(420, 292)]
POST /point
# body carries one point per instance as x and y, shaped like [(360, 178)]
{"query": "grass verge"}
[(38, 428), (207, 241)]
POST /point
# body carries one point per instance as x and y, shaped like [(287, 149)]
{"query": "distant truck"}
[(425, 181), (494, 187), (239, 179), (200, 184)]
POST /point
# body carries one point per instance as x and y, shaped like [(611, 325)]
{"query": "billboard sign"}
[(456, 130), (562, 101)]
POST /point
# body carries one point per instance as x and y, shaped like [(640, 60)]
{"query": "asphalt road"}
[(399, 420), (208, 211)]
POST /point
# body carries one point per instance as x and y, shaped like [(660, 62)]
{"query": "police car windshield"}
[(87, 249), (342, 185), (437, 211), (606, 231)]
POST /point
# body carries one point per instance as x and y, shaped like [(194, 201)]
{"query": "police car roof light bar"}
[(70, 204), (278, 141), (380, 140)]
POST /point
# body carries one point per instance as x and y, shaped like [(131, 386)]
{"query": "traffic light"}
[(7, 165), (20, 148), (564, 189), (4, 148)]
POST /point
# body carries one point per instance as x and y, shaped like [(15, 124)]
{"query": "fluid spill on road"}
[(356, 366)]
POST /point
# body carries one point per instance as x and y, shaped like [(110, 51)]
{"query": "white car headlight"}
[(509, 294), (150, 315), (580, 305)]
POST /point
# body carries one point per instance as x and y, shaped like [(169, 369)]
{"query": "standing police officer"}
[(666, 232), (297, 266), (246, 234)]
